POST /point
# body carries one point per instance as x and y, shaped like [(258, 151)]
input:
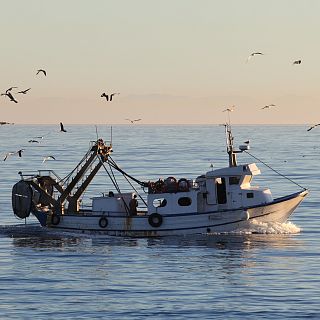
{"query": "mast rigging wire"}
[(277, 172)]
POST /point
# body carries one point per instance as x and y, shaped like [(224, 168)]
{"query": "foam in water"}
[(271, 228)]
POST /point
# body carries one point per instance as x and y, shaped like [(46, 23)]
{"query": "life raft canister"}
[(103, 222), (155, 220)]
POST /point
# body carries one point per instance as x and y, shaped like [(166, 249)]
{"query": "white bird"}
[(43, 71), (8, 154), (254, 54), (11, 89), (297, 62), (134, 120), (229, 109), (48, 158), (315, 125), (24, 91), (62, 129), (268, 106), (10, 96), (108, 97)]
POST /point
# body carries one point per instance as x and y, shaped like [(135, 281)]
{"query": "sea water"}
[(270, 271)]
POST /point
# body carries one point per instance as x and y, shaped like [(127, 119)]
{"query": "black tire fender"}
[(55, 219), (155, 220), (103, 222)]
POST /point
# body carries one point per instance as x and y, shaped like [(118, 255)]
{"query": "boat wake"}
[(257, 227)]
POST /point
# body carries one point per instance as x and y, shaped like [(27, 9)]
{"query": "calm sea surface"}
[(271, 273)]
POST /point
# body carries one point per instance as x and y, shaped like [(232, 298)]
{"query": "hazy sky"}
[(173, 61)]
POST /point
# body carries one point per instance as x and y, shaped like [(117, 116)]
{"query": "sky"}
[(172, 61)]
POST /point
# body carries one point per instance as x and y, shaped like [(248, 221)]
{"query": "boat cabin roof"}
[(245, 169)]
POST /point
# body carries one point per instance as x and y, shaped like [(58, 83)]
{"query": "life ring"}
[(183, 185), (55, 219), (155, 220), (103, 222)]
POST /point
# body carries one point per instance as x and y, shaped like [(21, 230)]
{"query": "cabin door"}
[(211, 189), (221, 190)]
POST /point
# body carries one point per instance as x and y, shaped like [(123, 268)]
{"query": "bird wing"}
[(137, 119)]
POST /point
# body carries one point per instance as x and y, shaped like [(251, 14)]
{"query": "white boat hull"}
[(173, 224)]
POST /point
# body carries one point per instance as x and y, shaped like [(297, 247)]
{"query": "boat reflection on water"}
[(34, 236)]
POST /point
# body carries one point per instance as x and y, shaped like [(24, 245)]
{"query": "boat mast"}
[(231, 152)]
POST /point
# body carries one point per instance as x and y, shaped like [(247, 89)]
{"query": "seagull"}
[(24, 91), (19, 152), (33, 141), (4, 122), (48, 158), (10, 96), (62, 129), (8, 154), (318, 124), (229, 109), (134, 120), (254, 54), (41, 70), (268, 106), (10, 89), (297, 62), (104, 95)]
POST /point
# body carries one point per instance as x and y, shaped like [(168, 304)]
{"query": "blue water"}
[(272, 273)]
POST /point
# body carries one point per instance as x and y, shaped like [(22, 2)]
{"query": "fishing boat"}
[(219, 201)]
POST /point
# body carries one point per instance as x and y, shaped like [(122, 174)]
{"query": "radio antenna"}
[(111, 136), (97, 131)]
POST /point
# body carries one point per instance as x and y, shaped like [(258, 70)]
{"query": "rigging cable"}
[(113, 180), (277, 172), (115, 166)]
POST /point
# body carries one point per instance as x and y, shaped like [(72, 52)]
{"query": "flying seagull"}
[(62, 129), (24, 91), (43, 71), (10, 89), (108, 97), (2, 123), (19, 152), (254, 54), (268, 106), (10, 96), (297, 62), (135, 120), (7, 155), (48, 158), (229, 109), (318, 124)]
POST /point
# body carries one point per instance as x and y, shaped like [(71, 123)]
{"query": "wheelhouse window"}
[(250, 195), (234, 180), (184, 201)]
